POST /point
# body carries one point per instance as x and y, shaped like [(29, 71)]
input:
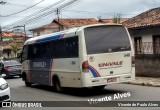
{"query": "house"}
[(45, 29), (11, 38), (62, 24), (145, 33), (16, 37)]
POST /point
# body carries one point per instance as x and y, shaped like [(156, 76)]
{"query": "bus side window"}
[(65, 48), (36, 51), (72, 47), (75, 47), (46, 50), (25, 53), (55, 49)]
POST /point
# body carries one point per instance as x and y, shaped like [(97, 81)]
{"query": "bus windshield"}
[(104, 39)]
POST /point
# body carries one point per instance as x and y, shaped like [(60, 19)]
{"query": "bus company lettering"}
[(116, 63), (39, 64)]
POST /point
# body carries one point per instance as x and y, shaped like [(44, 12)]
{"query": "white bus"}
[(87, 56)]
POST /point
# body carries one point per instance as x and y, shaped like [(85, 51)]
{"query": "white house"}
[(62, 24), (145, 31)]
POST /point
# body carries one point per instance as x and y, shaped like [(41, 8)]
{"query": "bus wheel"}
[(27, 84), (57, 85), (20, 76), (24, 78), (99, 87)]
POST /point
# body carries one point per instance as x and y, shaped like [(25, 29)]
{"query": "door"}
[(156, 44), (138, 45)]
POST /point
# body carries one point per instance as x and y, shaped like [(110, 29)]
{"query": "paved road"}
[(19, 92)]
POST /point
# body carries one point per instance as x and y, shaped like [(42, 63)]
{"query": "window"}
[(138, 45), (71, 46), (103, 39), (61, 48), (156, 44), (46, 50), (65, 48), (35, 51), (25, 53)]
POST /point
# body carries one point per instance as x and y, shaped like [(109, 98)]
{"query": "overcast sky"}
[(81, 9)]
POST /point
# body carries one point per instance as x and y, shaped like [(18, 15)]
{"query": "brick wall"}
[(148, 65)]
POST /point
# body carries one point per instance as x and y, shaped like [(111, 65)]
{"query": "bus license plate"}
[(111, 80)]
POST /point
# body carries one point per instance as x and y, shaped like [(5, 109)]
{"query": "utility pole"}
[(24, 28), (1, 39), (25, 32), (58, 13)]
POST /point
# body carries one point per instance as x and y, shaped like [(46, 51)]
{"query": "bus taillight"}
[(133, 61), (85, 66)]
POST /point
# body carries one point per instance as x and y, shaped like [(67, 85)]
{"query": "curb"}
[(152, 84)]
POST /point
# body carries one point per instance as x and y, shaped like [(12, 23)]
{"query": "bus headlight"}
[(4, 86)]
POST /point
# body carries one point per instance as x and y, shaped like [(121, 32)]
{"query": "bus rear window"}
[(103, 39)]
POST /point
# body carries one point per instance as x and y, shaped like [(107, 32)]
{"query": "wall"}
[(42, 32), (45, 31), (34, 34), (148, 66), (147, 38)]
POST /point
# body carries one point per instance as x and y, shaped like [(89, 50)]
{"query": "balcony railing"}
[(147, 48)]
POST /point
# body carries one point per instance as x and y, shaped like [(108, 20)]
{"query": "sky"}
[(79, 9)]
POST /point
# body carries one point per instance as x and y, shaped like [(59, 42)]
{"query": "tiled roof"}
[(145, 19), (12, 34), (69, 22), (51, 25), (76, 21)]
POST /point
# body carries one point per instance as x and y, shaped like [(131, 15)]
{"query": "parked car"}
[(4, 90), (10, 68)]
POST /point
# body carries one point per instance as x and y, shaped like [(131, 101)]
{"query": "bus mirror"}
[(18, 55)]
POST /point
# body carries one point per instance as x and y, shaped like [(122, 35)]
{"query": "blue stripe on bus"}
[(93, 71), (49, 38)]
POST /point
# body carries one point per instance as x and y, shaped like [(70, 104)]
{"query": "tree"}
[(14, 49), (117, 18)]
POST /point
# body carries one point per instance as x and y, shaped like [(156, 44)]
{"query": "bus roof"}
[(58, 35)]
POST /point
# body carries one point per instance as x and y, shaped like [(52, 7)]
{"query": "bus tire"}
[(24, 78), (28, 84), (99, 87), (57, 84), (20, 76)]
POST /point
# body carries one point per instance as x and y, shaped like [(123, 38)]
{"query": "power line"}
[(20, 5), (31, 19), (90, 12), (23, 9), (34, 14), (51, 11)]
